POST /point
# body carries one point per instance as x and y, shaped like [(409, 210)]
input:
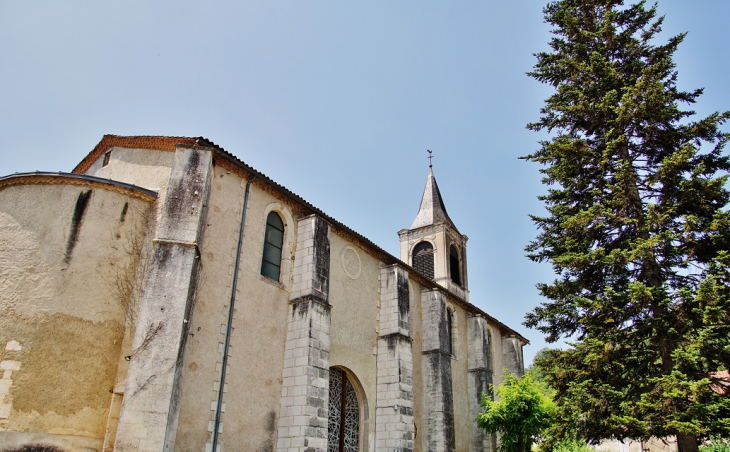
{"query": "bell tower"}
[(433, 245)]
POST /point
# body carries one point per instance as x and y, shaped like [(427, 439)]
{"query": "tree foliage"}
[(523, 411), (636, 230)]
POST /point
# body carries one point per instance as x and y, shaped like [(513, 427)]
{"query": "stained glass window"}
[(344, 430)]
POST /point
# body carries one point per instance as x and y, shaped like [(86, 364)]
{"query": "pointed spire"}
[(432, 208)]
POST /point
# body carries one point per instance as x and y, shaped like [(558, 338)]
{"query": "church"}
[(165, 296)]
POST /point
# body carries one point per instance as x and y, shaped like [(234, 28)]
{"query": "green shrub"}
[(716, 444)]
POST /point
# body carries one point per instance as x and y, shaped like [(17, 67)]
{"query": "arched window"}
[(273, 243), (343, 421), (454, 265), (423, 258)]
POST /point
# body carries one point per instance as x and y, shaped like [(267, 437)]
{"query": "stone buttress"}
[(394, 427), (512, 356), (148, 420), (305, 378), (438, 396), (480, 377)]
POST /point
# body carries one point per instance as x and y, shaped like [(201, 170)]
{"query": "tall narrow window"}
[(454, 261), (107, 155), (423, 258), (273, 243)]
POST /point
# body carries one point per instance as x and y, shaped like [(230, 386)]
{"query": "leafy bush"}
[(716, 444)]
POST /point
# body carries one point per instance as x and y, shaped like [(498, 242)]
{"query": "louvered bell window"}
[(423, 258), (273, 244)]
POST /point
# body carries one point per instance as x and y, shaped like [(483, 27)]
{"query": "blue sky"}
[(338, 101)]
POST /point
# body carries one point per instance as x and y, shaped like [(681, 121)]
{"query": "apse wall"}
[(70, 247)]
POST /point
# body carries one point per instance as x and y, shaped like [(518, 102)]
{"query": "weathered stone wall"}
[(141, 167), (419, 401), (251, 397), (512, 356), (463, 421), (354, 296), (66, 254), (305, 376), (150, 407), (394, 409), (436, 373), (480, 377)]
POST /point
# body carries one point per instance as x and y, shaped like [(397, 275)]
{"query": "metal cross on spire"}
[(430, 156)]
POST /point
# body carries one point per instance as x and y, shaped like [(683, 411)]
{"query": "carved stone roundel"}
[(351, 263)]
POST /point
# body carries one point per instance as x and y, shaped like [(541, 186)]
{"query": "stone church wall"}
[(419, 401), (253, 382), (460, 369), (334, 305), (64, 258), (354, 296)]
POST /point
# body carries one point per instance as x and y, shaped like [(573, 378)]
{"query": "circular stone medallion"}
[(351, 262)]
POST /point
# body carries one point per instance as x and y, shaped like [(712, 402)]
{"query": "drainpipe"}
[(217, 423)]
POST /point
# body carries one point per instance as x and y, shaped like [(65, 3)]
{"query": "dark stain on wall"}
[(123, 216), (321, 282), (82, 203), (403, 301), (444, 331), (271, 430), (185, 191), (302, 308), (393, 340), (35, 448), (161, 256), (483, 382), (438, 387)]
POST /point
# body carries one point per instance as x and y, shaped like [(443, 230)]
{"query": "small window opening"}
[(273, 244), (107, 156), (423, 258), (454, 261)]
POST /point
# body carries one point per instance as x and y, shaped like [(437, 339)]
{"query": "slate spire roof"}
[(432, 210)]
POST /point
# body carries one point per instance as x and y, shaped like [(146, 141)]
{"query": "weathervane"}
[(430, 156)]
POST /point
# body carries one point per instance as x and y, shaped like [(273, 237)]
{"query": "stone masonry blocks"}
[(305, 378), (435, 329), (512, 356), (394, 428), (394, 302), (438, 392), (480, 376), (311, 260)]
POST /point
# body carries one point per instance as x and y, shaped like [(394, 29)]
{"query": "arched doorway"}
[(344, 414)]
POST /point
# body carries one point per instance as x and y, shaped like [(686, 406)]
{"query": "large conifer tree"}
[(637, 231)]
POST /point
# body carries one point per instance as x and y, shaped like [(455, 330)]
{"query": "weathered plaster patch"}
[(23, 270), (13, 345), (61, 379)]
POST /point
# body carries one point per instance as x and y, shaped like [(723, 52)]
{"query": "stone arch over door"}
[(347, 413)]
